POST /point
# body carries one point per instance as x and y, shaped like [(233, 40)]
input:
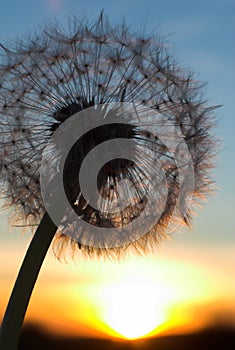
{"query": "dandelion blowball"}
[(102, 128)]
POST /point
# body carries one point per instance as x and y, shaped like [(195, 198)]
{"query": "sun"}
[(134, 309)]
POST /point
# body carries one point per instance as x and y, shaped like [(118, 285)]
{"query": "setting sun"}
[(144, 297), (134, 309)]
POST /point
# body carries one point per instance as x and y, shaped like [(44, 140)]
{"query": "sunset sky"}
[(189, 281)]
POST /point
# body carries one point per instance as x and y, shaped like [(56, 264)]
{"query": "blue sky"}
[(201, 34)]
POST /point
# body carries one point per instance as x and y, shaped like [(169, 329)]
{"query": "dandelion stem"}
[(26, 279)]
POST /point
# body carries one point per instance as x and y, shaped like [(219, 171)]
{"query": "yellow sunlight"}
[(134, 309), (176, 291), (148, 296)]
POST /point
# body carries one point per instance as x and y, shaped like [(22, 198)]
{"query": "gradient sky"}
[(201, 33)]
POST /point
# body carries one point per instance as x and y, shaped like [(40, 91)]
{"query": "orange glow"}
[(143, 297), (138, 297)]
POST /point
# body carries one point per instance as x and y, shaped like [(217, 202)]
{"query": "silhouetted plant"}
[(49, 77)]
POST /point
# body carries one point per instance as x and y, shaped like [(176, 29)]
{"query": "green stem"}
[(26, 279)]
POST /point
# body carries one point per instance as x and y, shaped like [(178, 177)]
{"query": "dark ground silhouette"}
[(215, 338)]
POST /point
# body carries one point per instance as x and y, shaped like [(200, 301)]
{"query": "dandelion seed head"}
[(47, 78)]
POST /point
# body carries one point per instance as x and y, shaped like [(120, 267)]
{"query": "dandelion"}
[(48, 78)]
